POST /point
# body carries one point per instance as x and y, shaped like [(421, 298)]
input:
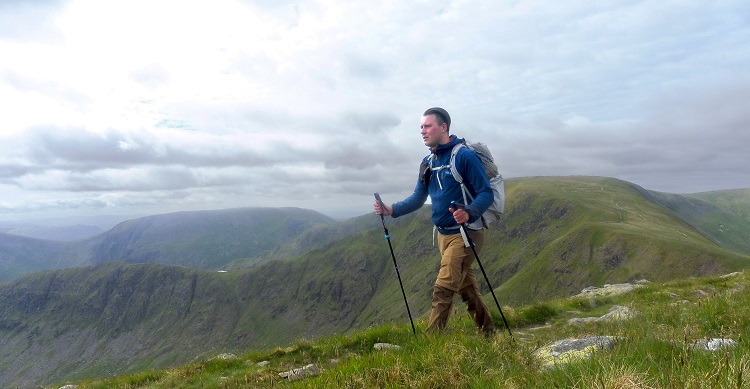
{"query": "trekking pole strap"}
[(465, 236)]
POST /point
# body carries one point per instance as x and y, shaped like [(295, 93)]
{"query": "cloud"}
[(152, 76), (317, 104), (47, 88), (25, 21)]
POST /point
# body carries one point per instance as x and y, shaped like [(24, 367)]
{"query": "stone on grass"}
[(565, 351), (715, 344), (616, 313), (302, 372), (386, 346), (607, 290)]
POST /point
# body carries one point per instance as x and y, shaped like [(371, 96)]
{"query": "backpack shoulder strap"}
[(454, 170), (457, 175)]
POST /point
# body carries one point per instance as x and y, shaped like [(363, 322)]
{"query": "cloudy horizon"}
[(147, 107)]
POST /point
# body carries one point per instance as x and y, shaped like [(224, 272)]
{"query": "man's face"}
[(432, 133)]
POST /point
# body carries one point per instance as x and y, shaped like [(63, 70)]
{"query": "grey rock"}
[(386, 346), (715, 344), (607, 290), (568, 350), (302, 372), (616, 313)]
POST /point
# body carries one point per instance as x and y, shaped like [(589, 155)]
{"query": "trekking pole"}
[(470, 243), (388, 237)]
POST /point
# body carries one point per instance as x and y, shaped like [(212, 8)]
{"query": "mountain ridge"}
[(558, 236), (200, 239)]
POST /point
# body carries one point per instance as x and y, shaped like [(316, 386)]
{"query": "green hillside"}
[(312, 238), (724, 216), (735, 201), (21, 255), (660, 346), (202, 239), (562, 234), (559, 235), (198, 239), (93, 321)]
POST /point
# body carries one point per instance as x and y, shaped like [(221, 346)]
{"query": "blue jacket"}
[(443, 188)]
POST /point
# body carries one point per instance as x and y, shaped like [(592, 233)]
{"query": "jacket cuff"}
[(394, 212), (474, 214)]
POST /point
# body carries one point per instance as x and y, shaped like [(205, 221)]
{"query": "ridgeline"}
[(147, 294)]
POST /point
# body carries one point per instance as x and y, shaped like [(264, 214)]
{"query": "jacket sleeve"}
[(415, 201), (475, 179)]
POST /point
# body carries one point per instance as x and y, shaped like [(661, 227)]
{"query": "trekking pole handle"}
[(464, 235), (383, 207), (456, 206), (382, 219), (377, 197)]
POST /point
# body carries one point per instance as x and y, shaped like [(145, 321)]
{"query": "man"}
[(436, 180)]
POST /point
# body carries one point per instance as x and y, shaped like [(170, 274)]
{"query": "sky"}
[(147, 107)]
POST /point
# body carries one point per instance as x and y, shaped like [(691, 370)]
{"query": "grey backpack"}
[(493, 175)]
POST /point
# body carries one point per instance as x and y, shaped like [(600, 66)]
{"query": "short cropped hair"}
[(441, 116)]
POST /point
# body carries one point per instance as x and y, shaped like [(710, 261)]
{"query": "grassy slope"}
[(312, 238), (734, 201), (117, 317), (199, 239), (94, 321), (35, 254), (564, 234), (722, 215), (656, 351), (559, 235), (202, 239)]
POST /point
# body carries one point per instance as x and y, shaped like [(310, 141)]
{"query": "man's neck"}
[(445, 141)]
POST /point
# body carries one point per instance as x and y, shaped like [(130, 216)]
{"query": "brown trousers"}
[(457, 276)]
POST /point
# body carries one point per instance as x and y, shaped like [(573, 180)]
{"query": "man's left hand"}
[(460, 216)]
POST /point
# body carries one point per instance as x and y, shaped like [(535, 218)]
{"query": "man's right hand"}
[(382, 208)]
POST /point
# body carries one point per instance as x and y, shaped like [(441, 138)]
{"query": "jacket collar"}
[(447, 146)]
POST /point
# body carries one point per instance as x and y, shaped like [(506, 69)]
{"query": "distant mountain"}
[(63, 228), (736, 202), (558, 236), (314, 238), (21, 255), (730, 224), (199, 239), (63, 233), (202, 239)]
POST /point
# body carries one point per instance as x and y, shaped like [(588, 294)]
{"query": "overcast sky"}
[(143, 107)]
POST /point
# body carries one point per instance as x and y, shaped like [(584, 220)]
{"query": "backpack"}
[(493, 176)]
